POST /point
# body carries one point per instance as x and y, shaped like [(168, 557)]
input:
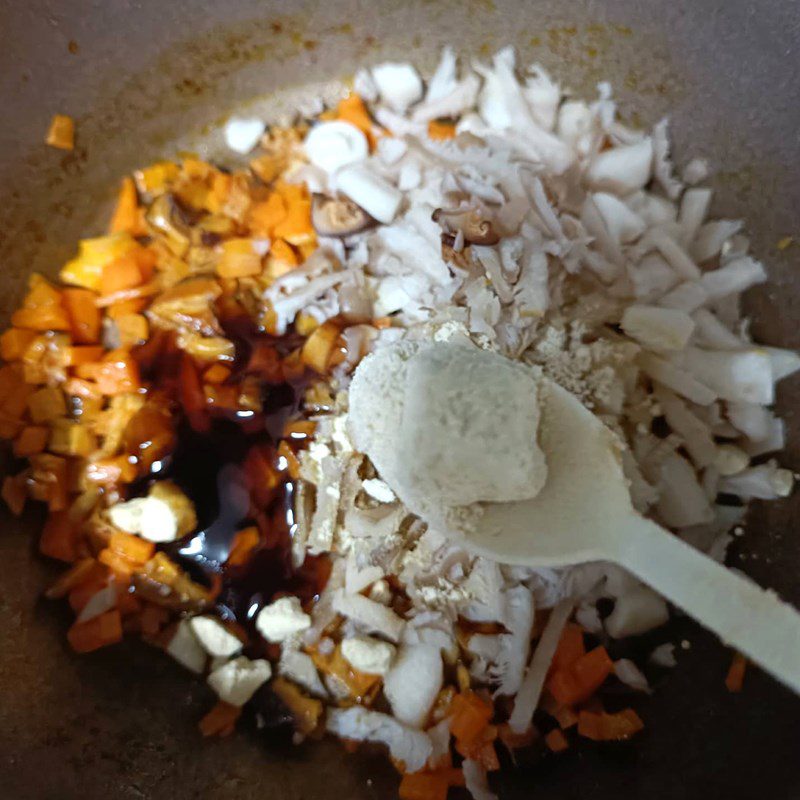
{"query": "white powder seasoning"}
[(449, 425)]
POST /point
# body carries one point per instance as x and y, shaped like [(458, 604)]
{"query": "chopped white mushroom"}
[(369, 655), (379, 490), (764, 482), (370, 191), (236, 681), (744, 376), (636, 612), (331, 145), (282, 619), (413, 682), (370, 615), (215, 638), (682, 501), (185, 648), (784, 362), (622, 170), (731, 459), (658, 328), (664, 655), (399, 85), (623, 225), (735, 276), (299, 667), (406, 744), (476, 781), (242, 134)]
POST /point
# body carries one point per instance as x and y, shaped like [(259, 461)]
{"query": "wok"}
[(148, 78)]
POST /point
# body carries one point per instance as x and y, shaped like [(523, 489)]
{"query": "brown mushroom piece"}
[(166, 220), (476, 229), (338, 216)]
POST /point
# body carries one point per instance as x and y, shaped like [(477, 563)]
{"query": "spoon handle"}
[(754, 621)]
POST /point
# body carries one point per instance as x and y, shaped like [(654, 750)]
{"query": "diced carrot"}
[(734, 680), (84, 316), (282, 251), (244, 542), (61, 133), (131, 547), (120, 274), (123, 308), (556, 741), (126, 216), (565, 717), (581, 680), (263, 217), (221, 720), (11, 381), (127, 602), (59, 537), (217, 373), (424, 786), (14, 494), (43, 318), (14, 342), (593, 668), (134, 329), (441, 130), (292, 462), (483, 750), (49, 480), (570, 647), (318, 348), (31, 440), (117, 373), (156, 178), (238, 259), (153, 619), (47, 404), (192, 395), (83, 354), (603, 727), (81, 594), (514, 741), (108, 471), (105, 629), (221, 185), (117, 563), (469, 717), (299, 429)]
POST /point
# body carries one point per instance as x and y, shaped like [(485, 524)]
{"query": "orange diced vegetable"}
[(282, 251), (58, 539), (30, 441), (153, 619), (118, 563), (441, 130), (579, 682), (71, 438), (14, 494), (47, 404), (244, 542), (43, 318), (156, 178), (83, 354), (84, 316), (131, 547), (120, 274), (127, 602), (105, 629), (296, 228), (221, 720), (570, 647), (61, 133), (469, 717), (216, 373), (83, 592), (292, 462), (127, 216), (238, 259), (424, 786), (265, 216), (735, 677), (556, 741), (514, 741), (305, 711), (482, 749), (192, 395), (14, 342), (123, 308), (319, 347), (603, 727), (87, 267), (117, 373), (49, 480), (134, 329)]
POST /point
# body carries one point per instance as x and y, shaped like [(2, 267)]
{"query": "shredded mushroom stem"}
[(528, 696)]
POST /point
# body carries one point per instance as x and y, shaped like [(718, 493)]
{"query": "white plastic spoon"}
[(584, 513)]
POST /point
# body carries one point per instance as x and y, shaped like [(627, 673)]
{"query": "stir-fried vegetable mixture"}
[(178, 401)]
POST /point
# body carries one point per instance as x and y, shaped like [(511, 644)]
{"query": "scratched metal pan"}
[(147, 78)]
